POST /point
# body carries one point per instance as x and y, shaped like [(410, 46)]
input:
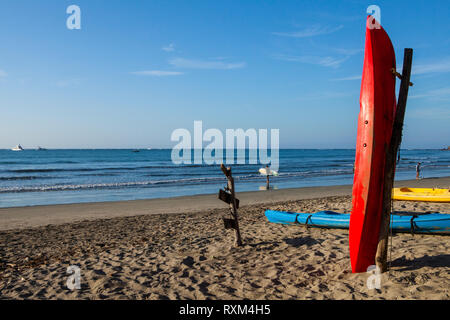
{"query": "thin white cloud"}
[(440, 66), (312, 96), (351, 78), (3, 74), (157, 73), (437, 94), (219, 58), (205, 64), (348, 52), (431, 113), (169, 48), (328, 61), (312, 31)]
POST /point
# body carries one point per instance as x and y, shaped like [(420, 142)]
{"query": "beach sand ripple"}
[(190, 256)]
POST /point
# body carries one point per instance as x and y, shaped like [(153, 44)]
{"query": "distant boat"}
[(136, 150), (17, 148), (41, 149)]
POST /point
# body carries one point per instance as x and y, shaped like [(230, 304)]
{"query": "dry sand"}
[(156, 255)]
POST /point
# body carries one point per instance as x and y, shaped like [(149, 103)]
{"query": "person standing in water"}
[(418, 170), (268, 172)]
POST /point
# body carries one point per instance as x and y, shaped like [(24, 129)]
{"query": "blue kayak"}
[(435, 223)]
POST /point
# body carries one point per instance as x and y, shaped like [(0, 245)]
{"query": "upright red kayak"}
[(375, 124)]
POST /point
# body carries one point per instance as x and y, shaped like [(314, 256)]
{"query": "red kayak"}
[(375, 124)]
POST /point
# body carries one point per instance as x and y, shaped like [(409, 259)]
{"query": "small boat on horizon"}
[(17, 148), (41, 149)]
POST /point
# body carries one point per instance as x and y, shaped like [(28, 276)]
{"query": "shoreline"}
[(42, 215)]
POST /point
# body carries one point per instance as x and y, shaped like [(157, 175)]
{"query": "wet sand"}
[(34, 216)]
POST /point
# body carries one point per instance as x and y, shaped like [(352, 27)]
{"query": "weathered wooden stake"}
[(233, 205), (391, 156)]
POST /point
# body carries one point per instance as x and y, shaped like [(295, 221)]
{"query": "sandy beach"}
[(128, 129), (178, 249)]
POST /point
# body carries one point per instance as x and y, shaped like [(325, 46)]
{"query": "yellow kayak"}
[(422, 194)]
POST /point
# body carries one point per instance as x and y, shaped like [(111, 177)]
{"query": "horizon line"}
[(171, 148)]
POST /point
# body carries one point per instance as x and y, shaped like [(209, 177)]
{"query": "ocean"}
[(33, 177)]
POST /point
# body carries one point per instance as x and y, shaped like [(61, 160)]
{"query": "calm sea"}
[(34, 177)]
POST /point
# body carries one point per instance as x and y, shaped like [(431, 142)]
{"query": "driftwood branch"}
[(234, 204), (391, 156)]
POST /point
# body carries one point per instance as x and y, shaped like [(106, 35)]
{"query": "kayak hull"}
[(375, 123), (433, 223), (422, 194)]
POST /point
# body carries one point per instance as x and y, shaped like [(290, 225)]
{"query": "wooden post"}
[(233, 205), (391, 156)]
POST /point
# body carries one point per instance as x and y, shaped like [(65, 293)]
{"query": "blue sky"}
[(137, 70)]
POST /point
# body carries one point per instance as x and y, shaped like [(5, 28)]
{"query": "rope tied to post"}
[(308, 221)]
